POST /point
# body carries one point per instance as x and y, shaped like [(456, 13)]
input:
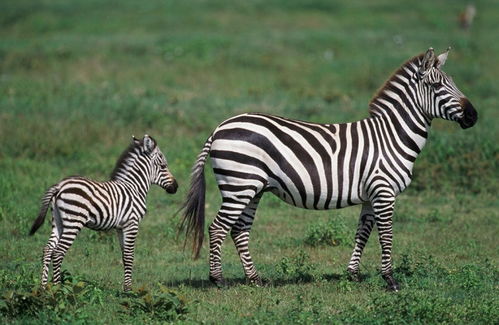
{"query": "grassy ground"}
[(78, 78)]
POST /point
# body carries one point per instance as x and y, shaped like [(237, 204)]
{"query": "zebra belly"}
[(324, 202), (78, 203), (242, 180)]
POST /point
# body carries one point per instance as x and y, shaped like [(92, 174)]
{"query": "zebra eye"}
[(163, 166), (436, 85)]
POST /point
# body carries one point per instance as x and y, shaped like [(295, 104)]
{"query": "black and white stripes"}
[(325, 166), (120, 203)]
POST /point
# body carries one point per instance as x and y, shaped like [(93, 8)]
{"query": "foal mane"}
[(124, 157), (388, 83)]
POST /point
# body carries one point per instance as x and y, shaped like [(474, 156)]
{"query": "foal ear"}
[(149, 143), (442, 58), (428, 62), (135, 140)]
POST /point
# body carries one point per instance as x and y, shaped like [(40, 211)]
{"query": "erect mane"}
[(388, 85), (124, 157)]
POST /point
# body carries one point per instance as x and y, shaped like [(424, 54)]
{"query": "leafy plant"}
[(297, 268), (331, 233), (163, 304), (58, 300)]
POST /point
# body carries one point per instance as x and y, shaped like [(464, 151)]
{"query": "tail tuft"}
[(47, 198), (193, 217)]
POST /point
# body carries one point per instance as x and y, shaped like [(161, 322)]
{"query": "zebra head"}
[(160, 174), (441, 94)]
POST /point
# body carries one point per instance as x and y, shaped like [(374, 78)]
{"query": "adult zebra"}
[(119, 203), (325, 166)]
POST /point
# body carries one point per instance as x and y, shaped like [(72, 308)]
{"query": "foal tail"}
[(47, 198), (193, 215)]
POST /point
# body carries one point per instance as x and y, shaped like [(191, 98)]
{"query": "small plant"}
[(65, 300), (468, 276), (331, 233), (420, 264), (165, 305), (107, 237), (436, 216), (17, 276), (297, 268)]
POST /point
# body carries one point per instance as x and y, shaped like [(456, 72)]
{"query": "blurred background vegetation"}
[(79, 78)]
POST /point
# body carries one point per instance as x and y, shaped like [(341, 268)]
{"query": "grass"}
[(79, 78)]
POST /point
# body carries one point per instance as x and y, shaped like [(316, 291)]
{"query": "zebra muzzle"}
[(470, 115)]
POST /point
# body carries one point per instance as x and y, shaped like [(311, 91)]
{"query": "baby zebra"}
[(119, 203)]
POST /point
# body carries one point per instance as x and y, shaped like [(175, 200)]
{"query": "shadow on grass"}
[(279, 282)]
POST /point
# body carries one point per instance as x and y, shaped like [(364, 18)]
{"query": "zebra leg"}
[(48, 250), (240, 235), (127, 237), (70, 230), (227, 216), (383, 209), (366, 224)]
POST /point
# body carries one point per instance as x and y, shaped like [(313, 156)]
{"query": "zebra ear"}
[(135, 140), (427, 63), (149, 143), (442, 58)]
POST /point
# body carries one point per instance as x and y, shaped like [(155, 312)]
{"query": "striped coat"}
[(325, 166), (119, 203)]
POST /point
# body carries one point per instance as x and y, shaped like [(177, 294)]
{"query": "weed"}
[(107, 237), (471, 277), (331, 233), (16, 276), (417, 307), (418, 264), (162, 304), (57, 302), (297, 268), (436, 215)]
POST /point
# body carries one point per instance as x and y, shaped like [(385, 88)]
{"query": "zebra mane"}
[(415, 61), (125, 155)]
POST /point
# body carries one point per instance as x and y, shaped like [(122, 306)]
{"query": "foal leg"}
[(71, 227), (47, 253), (240, 235), (366, 224)]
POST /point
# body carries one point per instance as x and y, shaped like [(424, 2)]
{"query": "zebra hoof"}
[(219, 282), (391, 283), (257, 282), (354, 276)]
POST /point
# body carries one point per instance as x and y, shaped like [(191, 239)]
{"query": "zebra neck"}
[(403, 125), (135, 178)]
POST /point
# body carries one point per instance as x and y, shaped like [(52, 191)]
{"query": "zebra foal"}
[(324, 166), (119, 203)]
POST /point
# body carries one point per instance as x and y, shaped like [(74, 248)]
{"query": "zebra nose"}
[(172, 188), (470, 115)]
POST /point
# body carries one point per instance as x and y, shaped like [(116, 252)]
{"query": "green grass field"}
[(79, 78)]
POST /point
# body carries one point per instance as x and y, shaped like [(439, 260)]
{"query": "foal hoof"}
[(391, 283), (219, 282), (393, 287)]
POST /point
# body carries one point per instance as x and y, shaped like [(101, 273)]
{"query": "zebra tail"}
[(47, 198), (193, 214)]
